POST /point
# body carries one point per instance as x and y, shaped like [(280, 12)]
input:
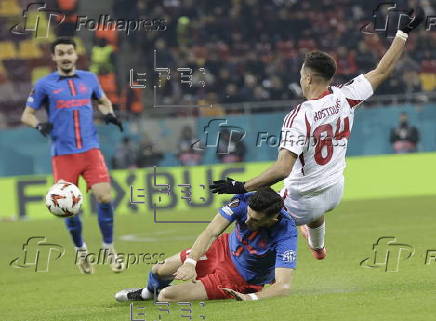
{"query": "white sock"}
[(146, 294), (82, 248), (316, 237), (108, 245)]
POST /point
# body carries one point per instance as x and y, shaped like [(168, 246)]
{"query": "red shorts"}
[(89, 164), (217, 271)]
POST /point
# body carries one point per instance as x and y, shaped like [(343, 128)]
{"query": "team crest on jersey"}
[(232, 204), (289, 256), (82, 88)]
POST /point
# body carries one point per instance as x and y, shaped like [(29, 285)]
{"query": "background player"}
[(261, 248), (67, 94), (314, 139)]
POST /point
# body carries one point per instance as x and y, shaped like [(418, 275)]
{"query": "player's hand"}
[(414, 22), (228, 186), (238, 296), (44, 128), (111, 118), (186, 272)]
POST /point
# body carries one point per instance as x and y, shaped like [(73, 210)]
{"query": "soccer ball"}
[(64, 199)]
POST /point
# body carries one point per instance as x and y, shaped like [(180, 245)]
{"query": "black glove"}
[(111, 118), (414, 22), (44, 128), (229, 186)]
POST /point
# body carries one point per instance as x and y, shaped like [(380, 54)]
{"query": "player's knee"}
[(158, 269), (155, 269), (104, 197), (167, 295)]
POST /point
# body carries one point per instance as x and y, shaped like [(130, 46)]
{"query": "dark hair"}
[(62, 41), (321, 63), (267, 201)]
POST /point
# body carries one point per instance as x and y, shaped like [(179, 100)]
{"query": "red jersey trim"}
[(72, 87), (77, 136)]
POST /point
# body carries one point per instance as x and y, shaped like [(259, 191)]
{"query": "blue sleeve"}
[(97, 91), (286, 253), (234, 209), (37, 96)]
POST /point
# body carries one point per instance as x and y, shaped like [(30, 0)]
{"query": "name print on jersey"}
[(329, 111)]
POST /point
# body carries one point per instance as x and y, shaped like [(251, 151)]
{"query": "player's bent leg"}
[(166, 269), (189, 291), (314, 232), (160, 277)]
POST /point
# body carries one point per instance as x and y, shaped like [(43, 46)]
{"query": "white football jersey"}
[(317, 131)]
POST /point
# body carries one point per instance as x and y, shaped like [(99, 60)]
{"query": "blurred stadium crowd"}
[(252, 50)]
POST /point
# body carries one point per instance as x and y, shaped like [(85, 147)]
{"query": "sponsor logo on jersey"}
[(72, 103), (82, 88)]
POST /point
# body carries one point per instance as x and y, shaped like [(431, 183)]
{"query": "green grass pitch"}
[(337, 288)]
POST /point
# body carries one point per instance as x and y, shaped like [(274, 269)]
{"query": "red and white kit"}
[(317, 130)]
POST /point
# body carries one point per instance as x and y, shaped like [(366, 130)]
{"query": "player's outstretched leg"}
[(160, 277), (102, 192), (74, 225), (314, 233)]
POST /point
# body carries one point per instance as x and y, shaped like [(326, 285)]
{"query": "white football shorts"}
[(305, 208)]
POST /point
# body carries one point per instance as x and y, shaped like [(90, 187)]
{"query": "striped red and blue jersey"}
[(256, 254), (69, 108)]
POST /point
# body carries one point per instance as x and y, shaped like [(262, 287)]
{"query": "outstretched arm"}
[(277, 172), (393, 54), (388, 62), (201, 245)]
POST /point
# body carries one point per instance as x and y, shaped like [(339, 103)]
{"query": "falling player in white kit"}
[(314, 140)]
